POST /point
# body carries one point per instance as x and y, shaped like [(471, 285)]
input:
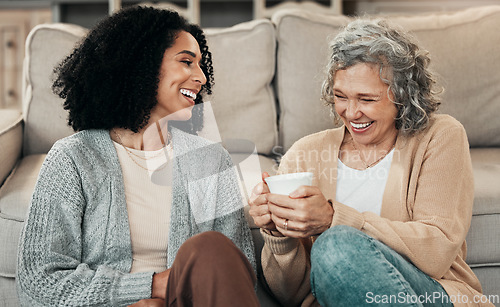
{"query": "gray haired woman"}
[(386, 218)]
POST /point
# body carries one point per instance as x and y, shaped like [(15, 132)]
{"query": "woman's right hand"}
[(259, 209)]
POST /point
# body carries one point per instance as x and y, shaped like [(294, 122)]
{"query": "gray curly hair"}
[(413, 86)]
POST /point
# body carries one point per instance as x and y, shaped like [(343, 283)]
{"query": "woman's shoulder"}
[(89, 139), (441, 129), (443, 123), (87, 147)]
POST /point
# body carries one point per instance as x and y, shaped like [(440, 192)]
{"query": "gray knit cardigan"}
[(75, 249)]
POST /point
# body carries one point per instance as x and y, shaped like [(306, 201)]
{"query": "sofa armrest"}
[(11, 140)]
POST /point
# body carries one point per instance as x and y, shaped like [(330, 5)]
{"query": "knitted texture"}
[(426, 209), (75, 248)]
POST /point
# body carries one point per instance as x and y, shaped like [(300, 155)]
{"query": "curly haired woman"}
[(100, 231), (386, 220)]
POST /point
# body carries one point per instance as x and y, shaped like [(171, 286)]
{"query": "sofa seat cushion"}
[(15, 196), (489, 281), (484, 231)]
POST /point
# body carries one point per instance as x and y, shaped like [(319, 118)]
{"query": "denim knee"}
[(333, 254), (338, 243)]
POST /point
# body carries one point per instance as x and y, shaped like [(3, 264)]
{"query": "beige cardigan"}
[(425, 216)]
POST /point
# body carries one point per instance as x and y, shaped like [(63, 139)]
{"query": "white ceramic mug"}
[(287, 183)]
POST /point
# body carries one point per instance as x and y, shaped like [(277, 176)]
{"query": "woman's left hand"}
[(304, 213), (150, 302)]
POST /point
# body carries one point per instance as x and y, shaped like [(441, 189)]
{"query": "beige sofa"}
[(268, 78)]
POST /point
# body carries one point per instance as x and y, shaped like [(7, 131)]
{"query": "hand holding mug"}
[(259, 209), (298, 209)]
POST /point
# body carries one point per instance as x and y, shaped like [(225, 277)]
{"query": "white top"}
[(363, 190), (148, 205)]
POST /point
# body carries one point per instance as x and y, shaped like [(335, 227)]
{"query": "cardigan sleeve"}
[(50, 270), (436, 198), (439, 203), (232, 221), (286, 267), (285, 261)]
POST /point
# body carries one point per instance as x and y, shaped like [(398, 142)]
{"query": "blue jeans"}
[(350, 268)]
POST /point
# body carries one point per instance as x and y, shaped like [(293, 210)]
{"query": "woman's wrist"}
[(330, 202), (273, 233), (159, 284)]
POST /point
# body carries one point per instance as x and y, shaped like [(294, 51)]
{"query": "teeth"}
[(188, 93), (361, 126)]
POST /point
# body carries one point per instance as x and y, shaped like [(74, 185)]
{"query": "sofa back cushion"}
[(464, 48), (243, 100), (45, 120), (301, 59)]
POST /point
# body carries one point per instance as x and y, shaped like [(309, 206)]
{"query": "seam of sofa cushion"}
[(13, 276), (13, 125), (484, 265), (485, 213), (10, 217), (278, 18), (243, 27)]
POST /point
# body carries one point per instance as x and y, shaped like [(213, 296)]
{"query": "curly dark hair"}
[(111, 78)]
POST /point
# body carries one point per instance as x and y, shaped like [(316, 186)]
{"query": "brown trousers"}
[(209, 270)]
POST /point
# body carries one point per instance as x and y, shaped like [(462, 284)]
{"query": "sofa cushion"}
[(464, 48), (489, 281), (15, 196), (45, 118), (8, 292), (465, 52), (301, 59), (486, 211), (11, 136), (243, 99), (486, 168)]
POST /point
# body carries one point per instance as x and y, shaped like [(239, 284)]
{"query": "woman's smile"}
[(363, 102), (360, 127), (181, 79)]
